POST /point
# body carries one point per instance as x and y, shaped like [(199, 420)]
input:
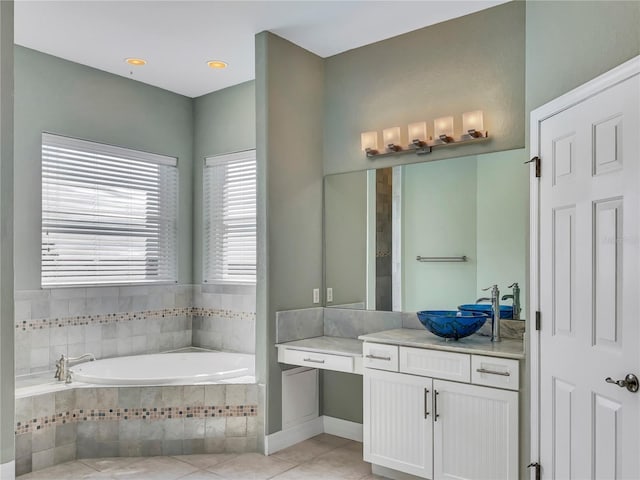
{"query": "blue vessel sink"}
[(452, 324), (506, 311)]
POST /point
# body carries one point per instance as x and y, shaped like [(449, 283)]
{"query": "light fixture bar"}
[(428, 147)]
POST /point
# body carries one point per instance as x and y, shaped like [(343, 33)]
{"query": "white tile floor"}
[(323, 457)]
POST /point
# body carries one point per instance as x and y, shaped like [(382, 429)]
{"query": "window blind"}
[(230, 218), (109, 214)]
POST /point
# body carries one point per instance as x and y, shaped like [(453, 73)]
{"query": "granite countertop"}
[(474, 344), (333, 345)]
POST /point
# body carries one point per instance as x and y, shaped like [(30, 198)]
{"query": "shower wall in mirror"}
[(475, 206)]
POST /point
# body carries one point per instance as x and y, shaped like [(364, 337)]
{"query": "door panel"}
[(607, 424), (564, 271), (607, 296)]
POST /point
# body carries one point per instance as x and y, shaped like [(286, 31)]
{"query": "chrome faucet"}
[(516, 300), (62, 366), (495, 307)]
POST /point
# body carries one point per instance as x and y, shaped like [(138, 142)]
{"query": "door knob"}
[(630, 382)]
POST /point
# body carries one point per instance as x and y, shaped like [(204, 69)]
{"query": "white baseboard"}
[(333, 426), (342, 428), (8, 471), (286, 438)]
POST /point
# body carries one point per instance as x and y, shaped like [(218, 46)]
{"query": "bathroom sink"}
[(452, 324), (506, 311)]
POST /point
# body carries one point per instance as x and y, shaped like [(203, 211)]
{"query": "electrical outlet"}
[(329, 294), (316, 295)]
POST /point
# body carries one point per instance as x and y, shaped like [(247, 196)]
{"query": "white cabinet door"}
[(398, 428), (475, 432)]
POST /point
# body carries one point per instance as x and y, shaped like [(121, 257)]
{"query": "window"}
[(230, 218), (108, 214)]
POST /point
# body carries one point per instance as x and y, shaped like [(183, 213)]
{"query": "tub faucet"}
[(516, 300), (62, 366), (495, 307), (60, 369)]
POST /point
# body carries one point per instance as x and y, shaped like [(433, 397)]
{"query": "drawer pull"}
[(493, 372), (426, 396), (312, 360), (435, 405), (376, 357)]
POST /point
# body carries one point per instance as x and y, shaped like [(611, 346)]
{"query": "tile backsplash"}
[(128, 320)]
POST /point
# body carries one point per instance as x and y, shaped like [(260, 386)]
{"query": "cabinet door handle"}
[(435, 405), (312, 360), (426, 398), (376, 357), (492, 372)]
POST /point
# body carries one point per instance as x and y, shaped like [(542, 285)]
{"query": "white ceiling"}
[(177, 38)]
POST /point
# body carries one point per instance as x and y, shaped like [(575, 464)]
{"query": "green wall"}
[(66, 98), (571, 42), (289, 107), (345, 236), (224, 122), (469, 63), (7, 391), (341, 395)]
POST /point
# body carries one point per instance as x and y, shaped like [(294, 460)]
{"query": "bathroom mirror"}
[(377, 222)]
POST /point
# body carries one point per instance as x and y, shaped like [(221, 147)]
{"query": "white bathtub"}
[(190, 368)]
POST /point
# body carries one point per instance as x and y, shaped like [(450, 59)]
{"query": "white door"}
[(475, 432), (398, 430), (589, 240)]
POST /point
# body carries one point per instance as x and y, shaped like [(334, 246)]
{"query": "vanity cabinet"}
[(418, 421), (398, 426)]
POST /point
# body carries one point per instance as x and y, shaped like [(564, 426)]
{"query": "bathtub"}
[(190, 368)]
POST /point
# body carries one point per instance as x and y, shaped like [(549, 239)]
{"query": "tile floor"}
[(323, 457)]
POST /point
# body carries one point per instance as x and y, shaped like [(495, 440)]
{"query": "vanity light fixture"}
[(369, 143), (391, 138), (472, 124), (420, 142), (443, 128), (418, 134)]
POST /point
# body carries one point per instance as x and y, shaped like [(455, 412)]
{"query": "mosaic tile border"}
[(215, 312), (106, 318), (144, 413)]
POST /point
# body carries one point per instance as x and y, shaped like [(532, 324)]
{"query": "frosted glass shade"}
[(443, 126), (472, 121), (369, 140), (418, 131), (391, 136)]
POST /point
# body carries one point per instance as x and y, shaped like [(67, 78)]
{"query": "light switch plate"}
[(329, 294), (316, 295)]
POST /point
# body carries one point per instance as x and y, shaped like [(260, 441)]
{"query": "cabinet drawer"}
[(495, 372), (379, 356), (325, 361), (436, 364)]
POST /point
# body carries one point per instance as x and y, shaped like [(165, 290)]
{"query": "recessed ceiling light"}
[(217, 64), (138, 62)]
